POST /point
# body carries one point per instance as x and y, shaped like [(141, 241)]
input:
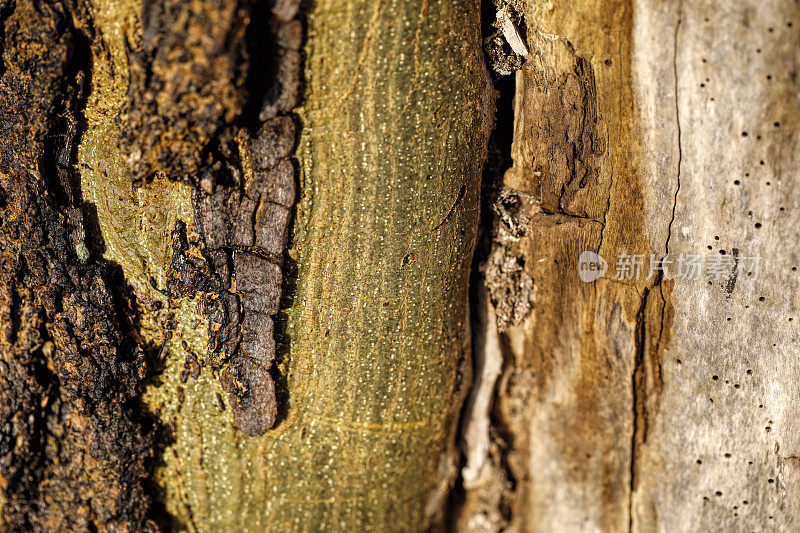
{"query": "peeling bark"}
[(189, 117)]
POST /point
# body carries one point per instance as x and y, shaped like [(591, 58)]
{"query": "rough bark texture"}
[(241, 166), (372, 340), (187, 86), (73, 450), (129, 129), (640, 127), (647, 127)]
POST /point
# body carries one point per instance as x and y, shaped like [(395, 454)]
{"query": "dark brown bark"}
[(72, 452)]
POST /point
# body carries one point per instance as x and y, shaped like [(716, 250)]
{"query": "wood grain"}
[(662, 404)]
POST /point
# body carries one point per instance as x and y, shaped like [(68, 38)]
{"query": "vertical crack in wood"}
[(677, 124), (486, 483), (645, 395)]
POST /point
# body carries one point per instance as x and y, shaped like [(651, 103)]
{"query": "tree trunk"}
[(373, 339), (170, 360), (394, 121)]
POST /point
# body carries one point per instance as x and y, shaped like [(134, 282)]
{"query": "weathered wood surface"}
[(397, 110), (722, 453), (659, 404)]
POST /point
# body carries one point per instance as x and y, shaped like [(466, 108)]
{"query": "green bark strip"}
[(396, 119), (397, 111)]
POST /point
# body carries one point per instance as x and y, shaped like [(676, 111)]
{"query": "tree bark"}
[(134, 397), (373, 339), (658, 403), (395, 119)]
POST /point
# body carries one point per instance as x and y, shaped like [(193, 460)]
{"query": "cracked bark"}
[(640, 127), (658, 404), (75, 448)]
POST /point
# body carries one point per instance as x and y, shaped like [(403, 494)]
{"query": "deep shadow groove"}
[(60, 152), (290, 269), (637, 394), (131, 347), (498, 159), (498, 162), (262, 82)]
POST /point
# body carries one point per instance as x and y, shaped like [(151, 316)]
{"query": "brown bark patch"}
[(202, 110), (583, 360), (187, 86), (74, 453)]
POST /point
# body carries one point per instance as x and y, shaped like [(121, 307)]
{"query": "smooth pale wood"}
[(747, 56), (608, 398), (397, 111)]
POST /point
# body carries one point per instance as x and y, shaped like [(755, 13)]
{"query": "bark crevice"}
[(485, 487)]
